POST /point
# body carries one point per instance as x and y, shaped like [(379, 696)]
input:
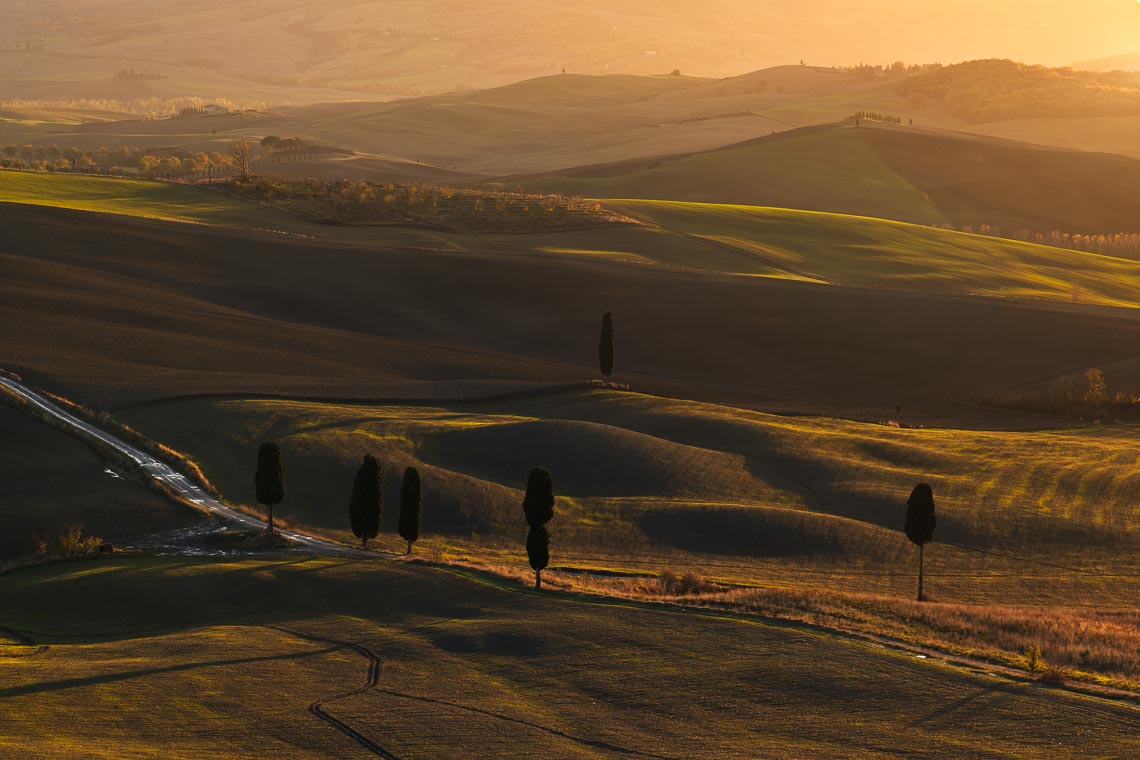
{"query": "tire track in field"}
[(372, 682), (24, 641)]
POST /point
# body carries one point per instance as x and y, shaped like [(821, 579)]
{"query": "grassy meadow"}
[(876, 253), (780, 243), (807, 509), (148, 199), (383, 650)]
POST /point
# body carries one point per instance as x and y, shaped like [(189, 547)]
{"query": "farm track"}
[(372, 682)]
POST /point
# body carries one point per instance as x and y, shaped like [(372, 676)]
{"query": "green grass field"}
[(824, 171), (143, 198), (781, 243), (223, 658), (875, 253)]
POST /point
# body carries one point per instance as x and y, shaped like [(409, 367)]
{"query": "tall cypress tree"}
[(538, 552), (920, 523), (538, 508), (606, 346), (366, 508), (411, 505), (269, 480)]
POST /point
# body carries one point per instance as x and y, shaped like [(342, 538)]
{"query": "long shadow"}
[(595, 743), (72, 683), (959, 704)]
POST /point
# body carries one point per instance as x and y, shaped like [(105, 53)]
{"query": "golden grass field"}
[(791, 516), (199, 658)]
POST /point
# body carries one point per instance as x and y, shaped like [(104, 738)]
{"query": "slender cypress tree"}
[(606, 346), (411, 506), (367, 506), (538, 507), (538, 552), (269, 479), (920, 523)]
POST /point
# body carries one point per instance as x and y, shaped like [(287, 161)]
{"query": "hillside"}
[(112, 309), (645, 477), (382, 649), (52, 482), (548, 124), (875, 253), (997, 90), (908, 174)]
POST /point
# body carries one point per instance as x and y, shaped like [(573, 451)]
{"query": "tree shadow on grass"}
[(72, 683)]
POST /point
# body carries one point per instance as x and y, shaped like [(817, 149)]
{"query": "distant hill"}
[(1127, 62), (304, 51), (995, 90), (896, 173)]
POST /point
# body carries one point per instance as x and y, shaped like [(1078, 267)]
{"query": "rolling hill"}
[(113, 308), (908, 174), (362, 655), (644, 477), (52, 482)]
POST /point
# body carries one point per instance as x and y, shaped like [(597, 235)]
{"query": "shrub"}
[(72, 543), (688, 584), (1033, 659)]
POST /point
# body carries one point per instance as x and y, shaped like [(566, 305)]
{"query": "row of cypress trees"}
[(365, 508)]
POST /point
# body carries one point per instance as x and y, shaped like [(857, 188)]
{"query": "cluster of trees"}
[(883, 118), (365, 507), (1122, 245), (277, 148), (896, 69), (1085, 396), (452, 209), (993, 90), (158, 163)]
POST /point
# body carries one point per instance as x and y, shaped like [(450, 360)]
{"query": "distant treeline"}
[(141, 108), (993, 90), (881, 118), (444, 208), (1122, 245), (157, 163)]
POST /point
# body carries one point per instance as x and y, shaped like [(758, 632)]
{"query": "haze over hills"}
[(305, 51)]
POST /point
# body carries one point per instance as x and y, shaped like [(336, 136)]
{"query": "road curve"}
[(167, 475)]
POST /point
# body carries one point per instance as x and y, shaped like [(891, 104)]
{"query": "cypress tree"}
[(920, 523), (411, 506), (269, 479), (538, 552), (606, 346), (367, 506), (538, 507)]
